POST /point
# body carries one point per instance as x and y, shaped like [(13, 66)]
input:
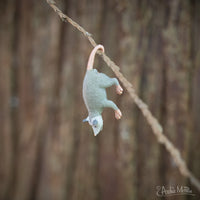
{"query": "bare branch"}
[(152, 121)]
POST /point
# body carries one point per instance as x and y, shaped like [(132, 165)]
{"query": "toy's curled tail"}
[(92, 55)]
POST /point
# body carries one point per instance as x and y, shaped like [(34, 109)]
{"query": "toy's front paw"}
[(118, 114), (119, 89)]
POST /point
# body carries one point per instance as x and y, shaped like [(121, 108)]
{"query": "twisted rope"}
[(152, 121)]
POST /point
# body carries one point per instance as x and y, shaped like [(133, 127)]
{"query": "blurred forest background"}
[(46, 152)]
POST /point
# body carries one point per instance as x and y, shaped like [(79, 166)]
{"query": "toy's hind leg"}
[(106, 82), (110, 104)]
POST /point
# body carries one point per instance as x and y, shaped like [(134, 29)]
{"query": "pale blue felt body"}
[(94, 92)]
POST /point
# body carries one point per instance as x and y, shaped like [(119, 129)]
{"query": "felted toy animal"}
[(94, 94)]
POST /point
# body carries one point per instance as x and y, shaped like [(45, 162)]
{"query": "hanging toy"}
[(94, 94)]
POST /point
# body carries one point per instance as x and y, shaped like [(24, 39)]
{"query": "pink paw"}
[(118, 114), (119, 89)]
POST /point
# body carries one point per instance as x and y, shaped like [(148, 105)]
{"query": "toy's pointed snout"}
[(96, 132)]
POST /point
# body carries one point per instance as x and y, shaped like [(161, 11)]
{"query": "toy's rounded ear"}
[(86, 119), (95, 122)]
